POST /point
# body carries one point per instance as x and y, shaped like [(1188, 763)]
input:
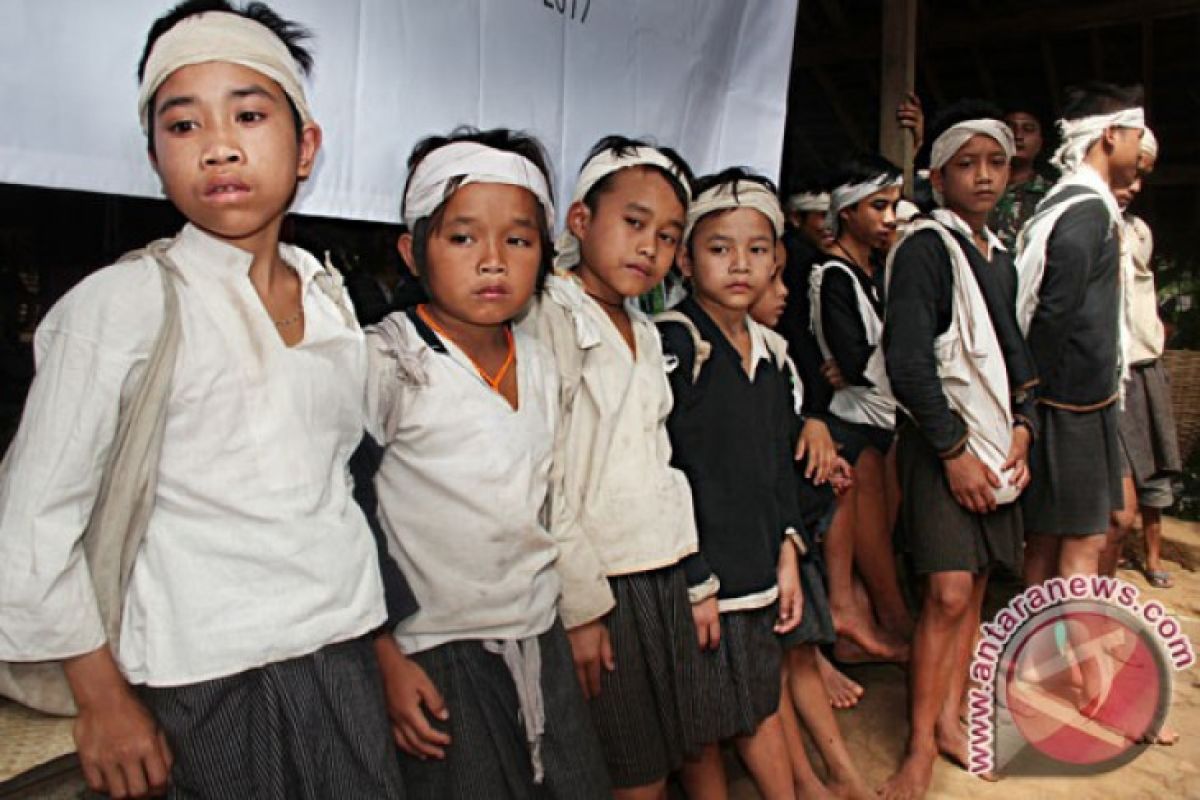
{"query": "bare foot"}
[(1166, 737), (847, 651), (841, 690), (911, 781), (952, 743), (851, 787)]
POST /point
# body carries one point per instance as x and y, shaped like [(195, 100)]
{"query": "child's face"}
[(732, 258), (481, 263), (768, 308), (1123, 159), (1126, 195), (628, 243), (972, 180), (1027, 135), (872, 220), (812, 227), (227, 152)]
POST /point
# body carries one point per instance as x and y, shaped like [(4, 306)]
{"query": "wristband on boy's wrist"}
[(704, 590)]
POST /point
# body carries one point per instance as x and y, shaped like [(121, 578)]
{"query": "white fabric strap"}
[(470, 162), (222, 36), (954, 137), (850, 193), (738, 194), (597, 169), (523, 659), (809, 201), (1080, 134)]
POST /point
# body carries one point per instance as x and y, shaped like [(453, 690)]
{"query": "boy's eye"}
[(181, 126), (669, 238), (250, 116), (636, 224), (758, 250), (718, 249), (519, 241), (460, 238)]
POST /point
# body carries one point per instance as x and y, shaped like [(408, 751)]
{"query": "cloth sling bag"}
[(867, 405), (971, 364), (123, 503)]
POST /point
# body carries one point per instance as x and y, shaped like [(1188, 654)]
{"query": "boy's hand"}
[(591, 649), (818, 445), (407, 688), (911, 116), (122, 751), (708, 623), (791, 599), (842, 475), (971, 483), (832, 373), (1018, 458)]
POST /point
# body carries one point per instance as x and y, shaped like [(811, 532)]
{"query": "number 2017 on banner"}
[(575, 9)]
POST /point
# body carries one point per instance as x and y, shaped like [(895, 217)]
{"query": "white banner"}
[(708, 77)]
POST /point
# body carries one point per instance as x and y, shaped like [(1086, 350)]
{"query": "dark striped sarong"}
[(641, 712), (488, 755), (310, 727)]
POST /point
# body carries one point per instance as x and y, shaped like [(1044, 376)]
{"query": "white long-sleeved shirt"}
[(462, 485), (255, 551), (618, 506), (1147, 334)]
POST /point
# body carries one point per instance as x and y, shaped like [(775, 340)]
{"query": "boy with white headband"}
[(1069, 302), (622, 515), (240, 669), (846, 302), (1147, 422), (480, 681), (961, 373)]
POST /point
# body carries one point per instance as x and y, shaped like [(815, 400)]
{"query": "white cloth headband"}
[(1079, 134), (954, 137), (222, 36), (739, 194), (473, 163), (850, 193), (595, 170), (809, 201), (1150, 143)]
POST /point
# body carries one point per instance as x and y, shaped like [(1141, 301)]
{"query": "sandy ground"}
[(876, 729)]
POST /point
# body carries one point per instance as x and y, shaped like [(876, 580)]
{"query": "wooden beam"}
[(898, 77), (1051, 70), (958, 30), (849, 125)]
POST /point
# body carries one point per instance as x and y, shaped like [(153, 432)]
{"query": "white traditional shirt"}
[(1146, 333), (462, 485), (618, 507), (255, 551)]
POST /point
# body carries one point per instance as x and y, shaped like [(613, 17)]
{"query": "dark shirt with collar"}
[(841, 318), (796, 323)]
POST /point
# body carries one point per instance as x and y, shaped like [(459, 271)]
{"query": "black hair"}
[(731, 177), (291, 33), (1099, 97), (505, 139), (680, 180), (862, 167), (961, 111)]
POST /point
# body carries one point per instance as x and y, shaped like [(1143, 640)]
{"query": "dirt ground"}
[(875, 730)]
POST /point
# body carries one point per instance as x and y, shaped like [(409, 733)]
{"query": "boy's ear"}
[(936, 179), (579, 219), (404, 246), (683, 260), (310, 144)]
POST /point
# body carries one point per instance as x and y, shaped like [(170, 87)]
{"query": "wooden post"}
[(899, 72)]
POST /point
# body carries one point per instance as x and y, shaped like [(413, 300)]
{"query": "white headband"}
[(954, 137), (222, 36), (1150, 143), (595, 170), (850, 193), (739, 194), (429, 185), (1079, 134), (809, 201)]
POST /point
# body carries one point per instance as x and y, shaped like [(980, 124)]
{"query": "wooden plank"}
[(898, 77)]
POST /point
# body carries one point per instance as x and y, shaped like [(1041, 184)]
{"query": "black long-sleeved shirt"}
[(731, 437), (841, 319), (1074, 332), (920, 308)]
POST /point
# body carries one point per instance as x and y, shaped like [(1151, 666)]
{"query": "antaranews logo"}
[(1072, 677)]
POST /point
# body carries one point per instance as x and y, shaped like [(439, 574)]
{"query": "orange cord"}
[(491, 381)]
